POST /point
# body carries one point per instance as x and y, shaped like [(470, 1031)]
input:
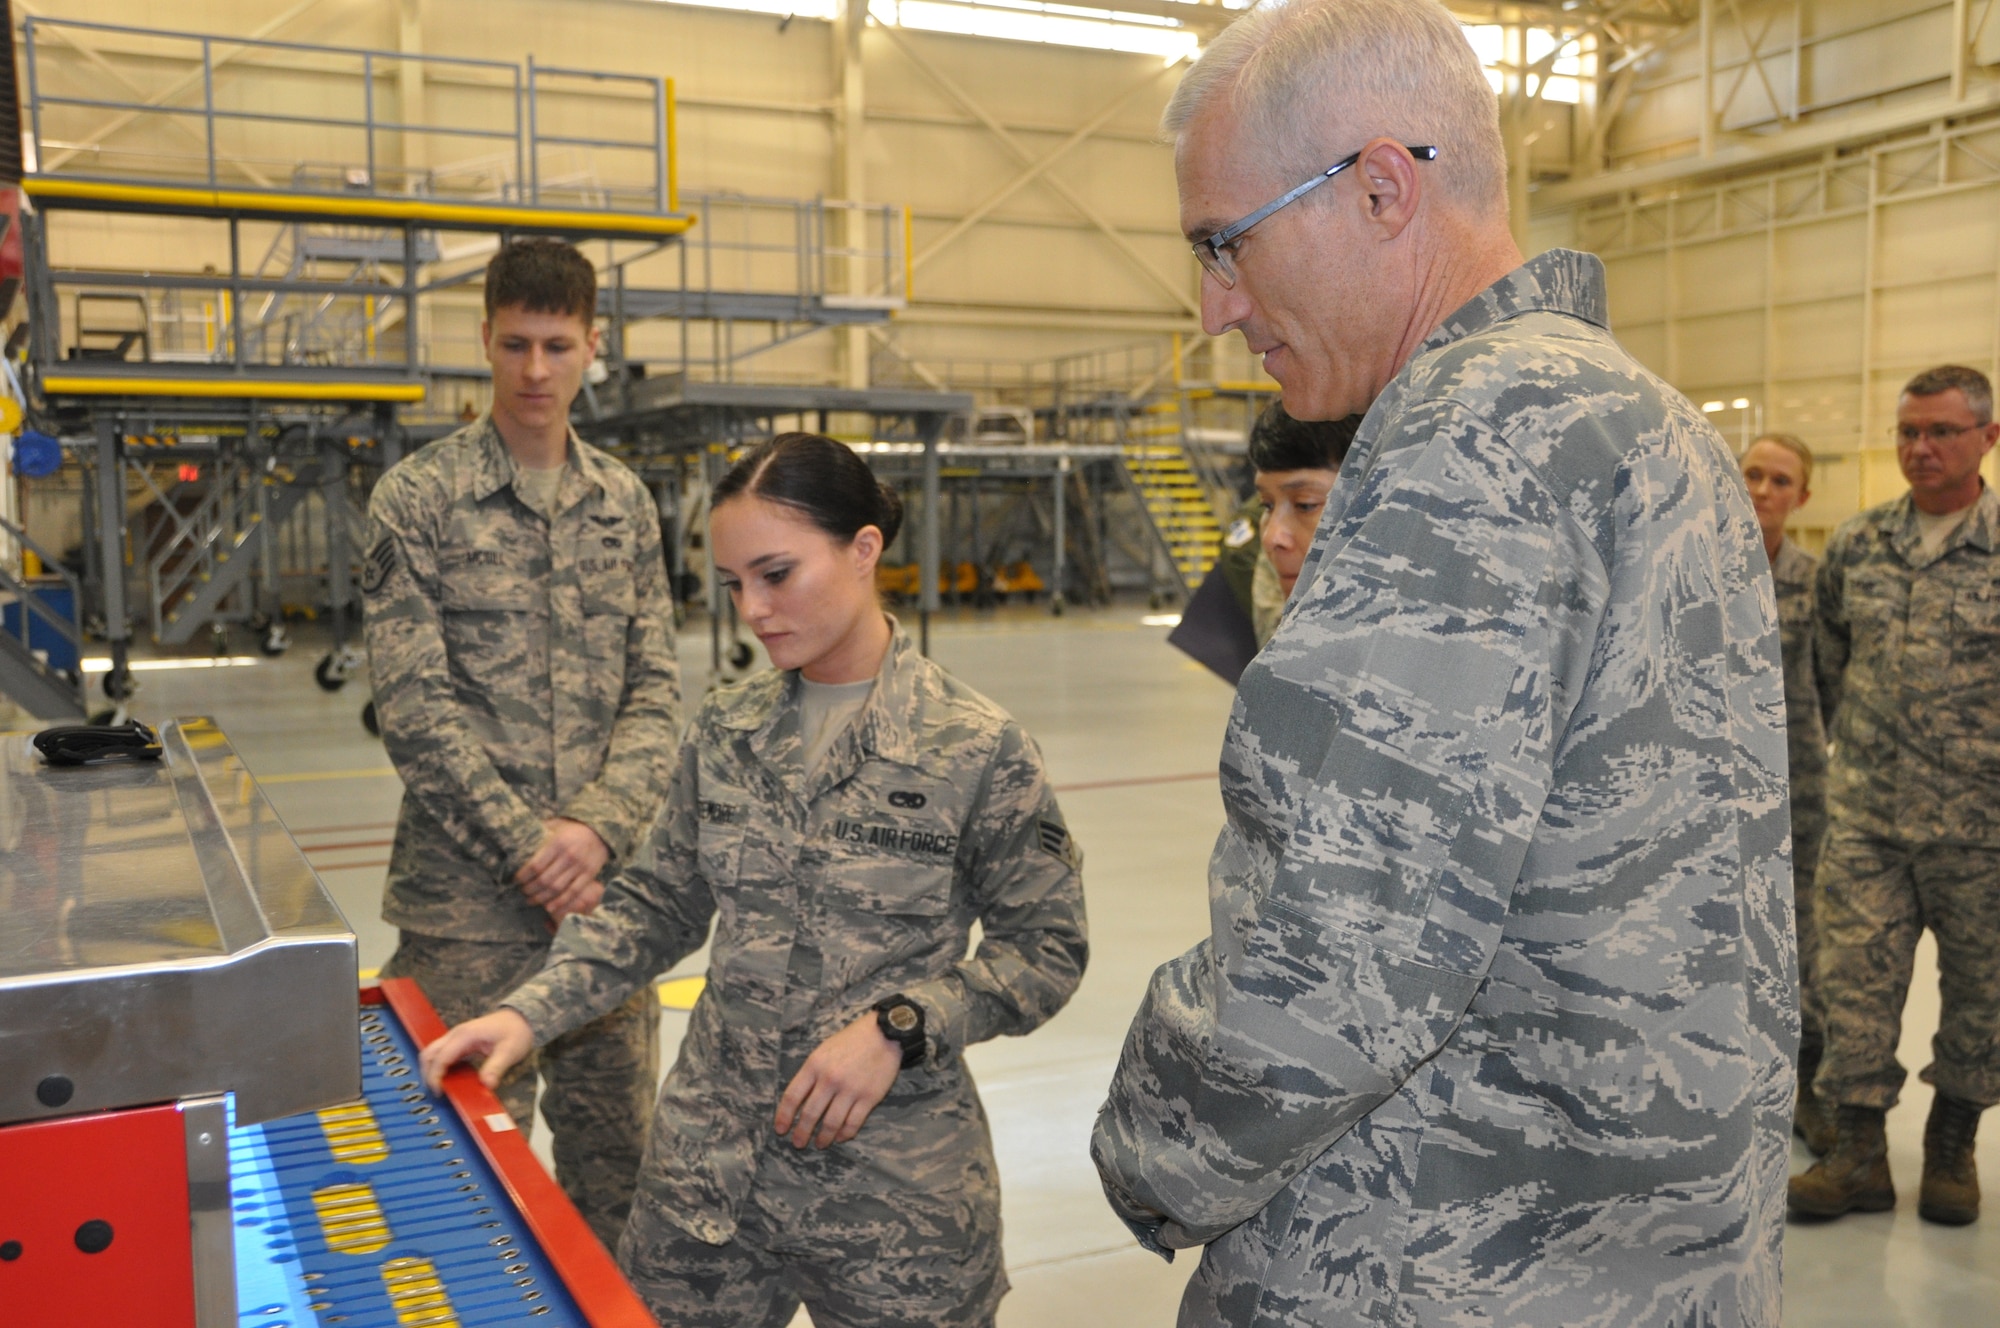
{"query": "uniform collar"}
[(1792, 562), (767, 707), (497, 468), (1980, 528), (1560, 281)]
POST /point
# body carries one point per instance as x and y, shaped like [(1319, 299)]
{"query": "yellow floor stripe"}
[(681, 993), (353, 1134), (417, 1294), (351, 1218)]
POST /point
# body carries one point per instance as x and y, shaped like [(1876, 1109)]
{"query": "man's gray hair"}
[(1316, 79), (1978, 392)]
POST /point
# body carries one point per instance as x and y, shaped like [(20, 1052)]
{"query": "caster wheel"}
[(1154, 601), (370, 720), (118, 685), (275, 641), (258, 623), (103, 718), (329, 675), (740, 655), (1056, 607)]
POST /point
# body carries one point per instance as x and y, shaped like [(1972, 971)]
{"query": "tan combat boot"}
[(1951, 1178), (1811, 1120), (1854, 1174)]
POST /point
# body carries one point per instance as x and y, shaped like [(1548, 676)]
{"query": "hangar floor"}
[(1130, 730)]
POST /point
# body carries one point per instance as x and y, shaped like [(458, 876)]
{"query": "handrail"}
[(71, 628), (523, 83)]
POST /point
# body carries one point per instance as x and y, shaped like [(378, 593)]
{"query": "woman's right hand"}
[(502, 1037)]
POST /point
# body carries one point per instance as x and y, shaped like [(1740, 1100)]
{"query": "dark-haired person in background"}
[(844, 819), (1238, 605), (1296, 462), (521, 646), (1908, 657)]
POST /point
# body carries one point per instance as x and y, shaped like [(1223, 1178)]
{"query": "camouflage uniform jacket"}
[(1793, 572), (522, 668), (1908, 653), (1496, 1019), (831, 891)]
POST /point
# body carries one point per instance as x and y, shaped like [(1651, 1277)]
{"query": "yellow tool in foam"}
[(353, 1135), (351, 1218), (417, 1294)]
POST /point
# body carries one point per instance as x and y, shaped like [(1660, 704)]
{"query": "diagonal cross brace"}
[(1034, 172), (233, 568), (1027, 159)]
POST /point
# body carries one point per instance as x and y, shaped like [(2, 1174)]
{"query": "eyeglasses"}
[(1909, 435), (1217, 251)]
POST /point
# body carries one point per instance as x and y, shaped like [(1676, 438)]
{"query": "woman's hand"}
[(840, 1083), (502, 1037)]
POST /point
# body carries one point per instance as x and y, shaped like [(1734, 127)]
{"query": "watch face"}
[(903, 1018)]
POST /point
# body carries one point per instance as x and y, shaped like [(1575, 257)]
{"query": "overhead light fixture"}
[(1710, 407), (1741, 403)]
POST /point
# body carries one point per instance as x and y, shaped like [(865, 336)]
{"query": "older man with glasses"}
[(1908, 656), (1495, 1024)]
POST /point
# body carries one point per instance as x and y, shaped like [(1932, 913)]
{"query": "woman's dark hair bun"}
[(891, 519), (819, 476)]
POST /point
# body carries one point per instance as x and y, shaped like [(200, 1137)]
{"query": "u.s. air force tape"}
[(375, 568)]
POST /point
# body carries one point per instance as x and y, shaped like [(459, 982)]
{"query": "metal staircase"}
[(26, 676), (1173, 493)]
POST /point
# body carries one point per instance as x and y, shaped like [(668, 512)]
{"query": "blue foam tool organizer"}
[(441, 1202)]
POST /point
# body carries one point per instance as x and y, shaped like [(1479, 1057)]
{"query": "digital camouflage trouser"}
[(1875, 898), (761, 1277), (601, 1079)]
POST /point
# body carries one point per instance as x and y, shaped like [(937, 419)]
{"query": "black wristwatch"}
[(902, 1022)]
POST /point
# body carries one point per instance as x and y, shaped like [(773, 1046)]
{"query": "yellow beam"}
[(65, 385), (476, 216)]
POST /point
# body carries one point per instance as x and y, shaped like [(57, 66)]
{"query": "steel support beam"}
[(1174, 290)]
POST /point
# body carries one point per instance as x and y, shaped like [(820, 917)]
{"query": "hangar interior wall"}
[(1798, 201), (1830, 228), (1083, 254)]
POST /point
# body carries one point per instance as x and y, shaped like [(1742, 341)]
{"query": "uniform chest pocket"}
[(719, 846), (887, 867), (1975, 626), (480, 587)]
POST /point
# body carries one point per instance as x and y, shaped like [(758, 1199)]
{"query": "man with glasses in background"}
[(1908, 655), (1496, 1019)]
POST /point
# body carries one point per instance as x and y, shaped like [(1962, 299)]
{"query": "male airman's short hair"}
[(1792, 443), (1978, 391), (1310, 78), (542, 276)]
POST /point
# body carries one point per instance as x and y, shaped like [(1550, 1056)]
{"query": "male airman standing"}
[(520, 639), (1908, 655)]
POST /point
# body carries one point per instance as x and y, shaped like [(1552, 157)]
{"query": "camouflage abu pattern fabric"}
[(522, 668), (1908, 654), (829, 892), (600, 1077), (1793, 572), (1878, 895), (1496, 1022)]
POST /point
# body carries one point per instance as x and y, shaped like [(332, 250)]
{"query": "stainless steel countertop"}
[(162, 936)]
